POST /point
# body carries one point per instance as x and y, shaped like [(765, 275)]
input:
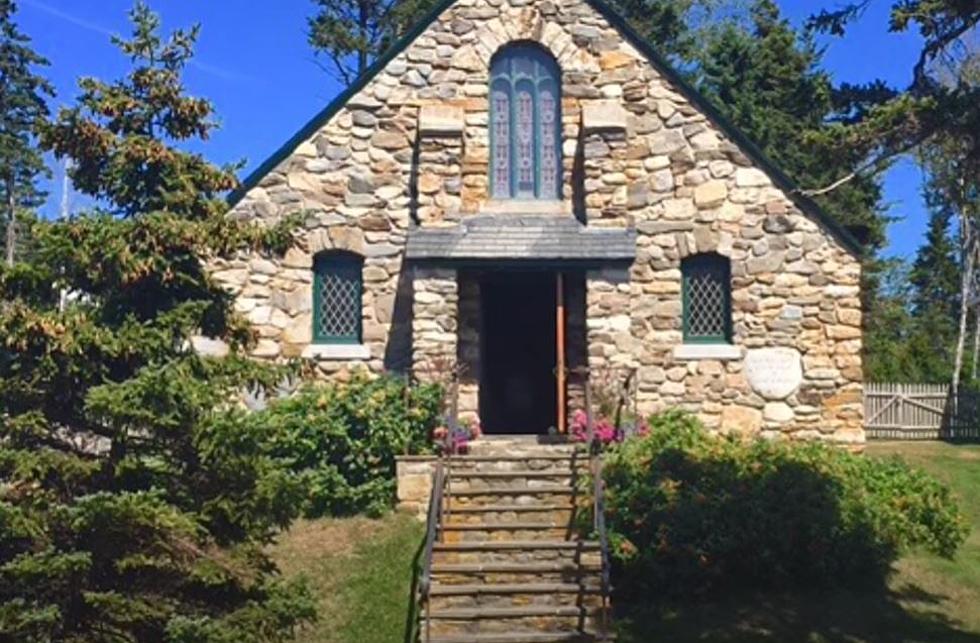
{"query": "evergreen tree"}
[(22, 107), (890, 346), (935, 281), (936, 273), (767, 79), (135, 495), (352, 33)]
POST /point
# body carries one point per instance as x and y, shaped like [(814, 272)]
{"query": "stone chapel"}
[(520, 189)]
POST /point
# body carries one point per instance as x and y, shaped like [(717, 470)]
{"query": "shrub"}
[(690, 512), (342, 439)]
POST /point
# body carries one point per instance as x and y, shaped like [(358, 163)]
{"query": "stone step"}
[(514, 588), (496, 545), (502, 525), (524, 556), (516, 490), (496, 613), (457, 513), (519, 597), (510, 508), (524, 446), (466, 474), (516, 619), (485, 569), (506, 531), (522, 637), (478, 502), (543, 454), (479, 483)]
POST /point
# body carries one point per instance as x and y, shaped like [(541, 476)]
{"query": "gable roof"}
[(696, 98)]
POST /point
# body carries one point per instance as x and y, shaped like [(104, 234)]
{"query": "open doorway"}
[(518, 354)]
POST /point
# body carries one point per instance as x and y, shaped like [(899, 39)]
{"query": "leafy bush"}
[(341, 440), (690, 512)]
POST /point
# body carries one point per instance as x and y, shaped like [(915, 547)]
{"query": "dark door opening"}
[(517, 388)]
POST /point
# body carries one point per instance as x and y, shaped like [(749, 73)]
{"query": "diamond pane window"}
[(707, 299), (337, 298), (525, 140)]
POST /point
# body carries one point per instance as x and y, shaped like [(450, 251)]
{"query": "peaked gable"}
[(758, 158)]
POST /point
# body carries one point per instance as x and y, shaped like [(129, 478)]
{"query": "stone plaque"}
[(774, 373)]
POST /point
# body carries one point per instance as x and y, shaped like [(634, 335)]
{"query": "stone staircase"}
[(508, 565)]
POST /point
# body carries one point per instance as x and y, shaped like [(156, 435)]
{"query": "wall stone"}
[(412, 148), (435, 314)]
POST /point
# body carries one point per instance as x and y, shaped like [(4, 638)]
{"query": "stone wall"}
[(411, 148)]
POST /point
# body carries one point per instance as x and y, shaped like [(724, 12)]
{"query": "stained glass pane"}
[(525, 124), (337, 299), (549, 140), (523, 66), (525, 140), (500, 166), (707, 300)]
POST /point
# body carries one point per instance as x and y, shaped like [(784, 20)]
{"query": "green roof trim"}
[(751, 150)]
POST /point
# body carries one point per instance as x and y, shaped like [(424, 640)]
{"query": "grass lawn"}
[(361, 570)]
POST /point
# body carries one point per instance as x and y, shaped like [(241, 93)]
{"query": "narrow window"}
[(525, 124), (707, 299), (337, 298)]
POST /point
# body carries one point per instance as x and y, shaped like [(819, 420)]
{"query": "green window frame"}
[(337, 296), (707, 294)]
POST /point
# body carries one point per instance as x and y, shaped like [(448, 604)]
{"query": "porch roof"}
[(523, 238)]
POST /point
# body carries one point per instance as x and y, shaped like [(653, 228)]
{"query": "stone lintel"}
[(441, 120), (604, 115)]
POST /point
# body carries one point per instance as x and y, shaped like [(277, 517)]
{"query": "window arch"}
[(707, 299), (525, 124), (337, 287)]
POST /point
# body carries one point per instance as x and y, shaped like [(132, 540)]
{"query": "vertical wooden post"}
[(560, 339)]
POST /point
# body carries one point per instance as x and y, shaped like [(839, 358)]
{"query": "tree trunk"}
[(976, 343), (11, 242), (969, 260)]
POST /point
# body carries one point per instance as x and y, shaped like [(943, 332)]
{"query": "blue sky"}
[(254, 63)]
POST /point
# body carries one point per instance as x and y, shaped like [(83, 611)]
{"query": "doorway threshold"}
[(526, 438)]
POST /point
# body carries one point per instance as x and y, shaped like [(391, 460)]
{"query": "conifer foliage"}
[(22, 109), (135, 495)]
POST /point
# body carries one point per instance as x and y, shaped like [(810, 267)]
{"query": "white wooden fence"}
[(920, 412)]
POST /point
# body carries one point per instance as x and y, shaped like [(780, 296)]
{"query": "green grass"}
[(928, 598), (361, 571)]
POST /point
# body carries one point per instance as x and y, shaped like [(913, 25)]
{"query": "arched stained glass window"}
[(525, 124)]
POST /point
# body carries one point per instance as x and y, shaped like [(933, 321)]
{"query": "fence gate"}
[(920, 412)]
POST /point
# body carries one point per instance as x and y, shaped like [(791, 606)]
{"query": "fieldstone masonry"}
[(411, 148)]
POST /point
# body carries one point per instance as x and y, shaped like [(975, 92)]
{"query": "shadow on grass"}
[(724, 525), (837, 616)]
